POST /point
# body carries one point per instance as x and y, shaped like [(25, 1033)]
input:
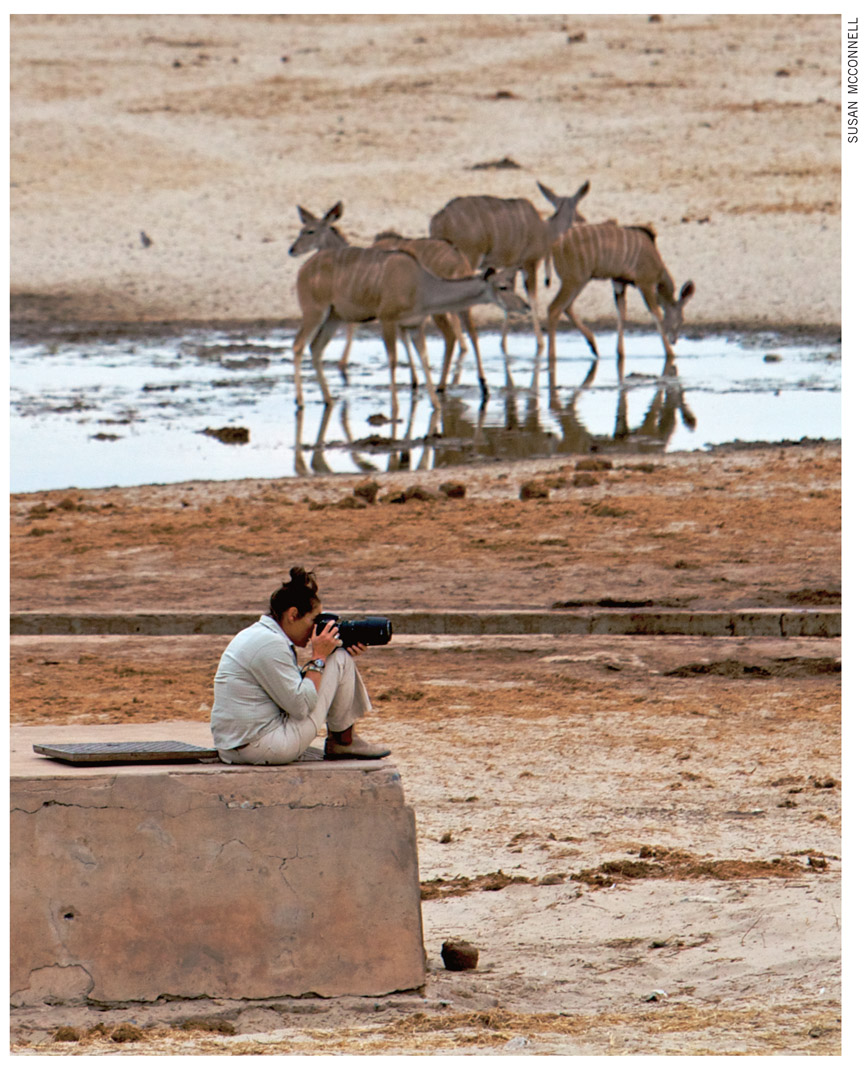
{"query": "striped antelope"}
[(321, 234), (507, 234), (354, 285), (443, 259), (625, 255), (438, 256)]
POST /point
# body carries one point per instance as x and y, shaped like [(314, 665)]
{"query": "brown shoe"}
[(358, 748)]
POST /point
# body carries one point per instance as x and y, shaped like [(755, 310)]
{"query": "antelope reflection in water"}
[(520, 437), (396, 445), (458, 436)]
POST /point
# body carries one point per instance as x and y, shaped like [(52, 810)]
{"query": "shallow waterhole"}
[(134, 411)]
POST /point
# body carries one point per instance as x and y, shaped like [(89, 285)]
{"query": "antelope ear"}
[(306, 217), (488, 274), (687, 291), (548, 193), (582, 191), (334, 213)]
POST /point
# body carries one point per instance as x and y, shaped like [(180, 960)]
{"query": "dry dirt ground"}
[(641, 835)]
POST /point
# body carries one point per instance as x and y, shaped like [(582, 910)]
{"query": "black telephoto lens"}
[(372, 631)]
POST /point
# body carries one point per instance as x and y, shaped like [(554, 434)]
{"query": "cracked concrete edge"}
[(758, 622)]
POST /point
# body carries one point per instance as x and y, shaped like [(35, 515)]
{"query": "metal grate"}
[(125, 753)]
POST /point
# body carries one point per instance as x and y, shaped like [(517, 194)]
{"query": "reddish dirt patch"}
[(757, 528)]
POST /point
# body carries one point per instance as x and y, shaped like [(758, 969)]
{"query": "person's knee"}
[(342, 661)]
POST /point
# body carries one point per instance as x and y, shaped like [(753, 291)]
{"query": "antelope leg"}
[(344, 359), (620, 304), (530, 287), (312, 321), (317, 346), (413, 378), (417, 334), (566, 296), (445, 325), (583, 329), (504, 333), (466, 320), (389, 337)]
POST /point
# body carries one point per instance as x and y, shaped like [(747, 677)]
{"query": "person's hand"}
[(324, 644), (356, 650)]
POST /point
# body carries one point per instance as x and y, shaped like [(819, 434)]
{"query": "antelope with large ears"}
[(354, 285), (508, 234), (438, 256)]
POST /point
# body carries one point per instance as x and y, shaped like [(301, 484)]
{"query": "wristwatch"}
[(317, 665)]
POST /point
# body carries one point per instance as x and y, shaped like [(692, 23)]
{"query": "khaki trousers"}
[(342, 699)]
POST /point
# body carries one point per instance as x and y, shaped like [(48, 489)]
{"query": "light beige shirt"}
[(258, 685)]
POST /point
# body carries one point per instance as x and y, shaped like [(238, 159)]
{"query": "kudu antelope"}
[(443, 259), (438, 256), (625, 255), (355, 285), (321, 234), (508, 234)]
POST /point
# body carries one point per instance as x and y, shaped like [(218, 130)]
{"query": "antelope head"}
[(565, 205), (502, 285), (317, 233), (672, 319)]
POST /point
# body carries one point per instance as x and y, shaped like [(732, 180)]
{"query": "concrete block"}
[(130, 883)]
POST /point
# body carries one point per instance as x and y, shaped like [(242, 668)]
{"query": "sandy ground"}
[(642, 836)]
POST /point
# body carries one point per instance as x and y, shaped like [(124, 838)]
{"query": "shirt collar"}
[(272, 624)]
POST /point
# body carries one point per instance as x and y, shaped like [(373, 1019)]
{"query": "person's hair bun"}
[(300, 592)]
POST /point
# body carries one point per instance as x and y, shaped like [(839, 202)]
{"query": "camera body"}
[(373, 631)]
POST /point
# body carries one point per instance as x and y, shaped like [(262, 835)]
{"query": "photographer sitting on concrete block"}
[(267, 708)]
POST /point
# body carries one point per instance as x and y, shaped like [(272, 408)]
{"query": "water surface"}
[(133, 411)]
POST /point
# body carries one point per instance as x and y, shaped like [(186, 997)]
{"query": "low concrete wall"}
[(132, 883), (760, 622)]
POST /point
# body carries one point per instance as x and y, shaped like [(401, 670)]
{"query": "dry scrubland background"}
[(205, 131)]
